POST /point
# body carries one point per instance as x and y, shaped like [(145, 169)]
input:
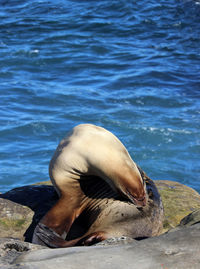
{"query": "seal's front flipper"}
[(93, 238), (47, 237)]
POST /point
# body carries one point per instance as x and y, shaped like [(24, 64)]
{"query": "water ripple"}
[(130, 66)]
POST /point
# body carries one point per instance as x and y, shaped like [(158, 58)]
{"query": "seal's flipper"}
[(48, 237), (93, 238)]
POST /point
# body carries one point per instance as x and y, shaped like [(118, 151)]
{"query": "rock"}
[(123, 240), (191, 219), (11, 248), (22, 208), (172, 250), (14, 219), (178, 201), (177, 249)]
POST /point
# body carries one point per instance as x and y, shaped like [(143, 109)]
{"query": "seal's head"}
[(134, 189)]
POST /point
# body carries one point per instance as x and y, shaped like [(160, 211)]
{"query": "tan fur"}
[(91, 150), (87, 153)]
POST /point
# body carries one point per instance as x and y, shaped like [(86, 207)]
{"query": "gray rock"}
[(172, 250), (123, 240), (191, 219), (11, 248), (14, 219)]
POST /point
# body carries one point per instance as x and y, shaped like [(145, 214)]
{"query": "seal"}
[(97, 179)]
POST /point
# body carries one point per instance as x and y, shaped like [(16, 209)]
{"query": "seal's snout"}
[(138, 201), (141, 202)]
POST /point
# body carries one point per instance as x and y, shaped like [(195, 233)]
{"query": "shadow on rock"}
[(38, 198)]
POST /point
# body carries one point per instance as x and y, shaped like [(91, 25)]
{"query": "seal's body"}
[(95, 176)]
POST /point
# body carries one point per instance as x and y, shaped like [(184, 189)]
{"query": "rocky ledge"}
[(178, 246)]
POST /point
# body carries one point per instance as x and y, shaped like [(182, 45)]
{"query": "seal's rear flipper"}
[(47, 237)]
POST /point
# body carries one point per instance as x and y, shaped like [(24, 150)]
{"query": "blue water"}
[(132, 67)]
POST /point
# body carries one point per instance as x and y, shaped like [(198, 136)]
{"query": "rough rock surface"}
[(11, 249), (191, 219), (14, 219), (178, 201), (174, 250)]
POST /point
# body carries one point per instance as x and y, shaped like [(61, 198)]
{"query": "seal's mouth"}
[(138, 202)]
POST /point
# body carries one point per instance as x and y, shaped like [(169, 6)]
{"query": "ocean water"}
[(132, 67)]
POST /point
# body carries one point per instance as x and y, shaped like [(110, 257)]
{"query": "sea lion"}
[(95, 176)]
